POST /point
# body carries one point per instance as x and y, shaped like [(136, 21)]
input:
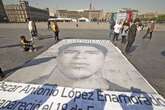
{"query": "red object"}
[(129, 16)]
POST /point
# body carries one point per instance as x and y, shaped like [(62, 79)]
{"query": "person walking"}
[(117, 30), (55, 29), (131, 35), (150, 29)]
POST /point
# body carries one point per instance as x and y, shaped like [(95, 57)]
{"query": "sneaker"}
[(35, 50), (30, 50)]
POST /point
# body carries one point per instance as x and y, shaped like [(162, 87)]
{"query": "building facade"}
[(3, 17), (107, 16), (37, 14), (20, 12), (68, 14), (92, 15)]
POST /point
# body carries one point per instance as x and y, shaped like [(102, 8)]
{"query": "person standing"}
[(111, 27), (151, 27), (49, 26), (55, 29), (35, 29), (77, 24), (2, 75), (131, 35), (32, 29), (117, 29), (124, 32)]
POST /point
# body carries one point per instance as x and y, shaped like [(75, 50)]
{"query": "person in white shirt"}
[(32, 28), (117, 29)]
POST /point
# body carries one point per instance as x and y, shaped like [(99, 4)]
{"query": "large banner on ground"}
[(83, 63), (19, 96)]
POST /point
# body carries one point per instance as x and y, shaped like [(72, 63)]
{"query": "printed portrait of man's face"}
[(79, 61)]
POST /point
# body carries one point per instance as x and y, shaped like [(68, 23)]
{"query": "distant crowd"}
[(29, 45), (127, 31)]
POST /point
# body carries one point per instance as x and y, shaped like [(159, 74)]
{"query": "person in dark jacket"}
[(131, 35), (2, 75)]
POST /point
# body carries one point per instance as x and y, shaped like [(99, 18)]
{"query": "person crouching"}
[(26, 45)]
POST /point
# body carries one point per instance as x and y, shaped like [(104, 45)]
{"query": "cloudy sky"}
[(107, 5)]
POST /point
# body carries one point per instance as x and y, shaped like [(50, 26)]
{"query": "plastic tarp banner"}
[(79, 67), (19, 96)]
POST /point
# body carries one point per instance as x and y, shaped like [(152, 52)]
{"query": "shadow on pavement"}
[(8, 46), (27, 64), (43, 37), (39, 47), (163, 53), (133, 48), (38, 61)]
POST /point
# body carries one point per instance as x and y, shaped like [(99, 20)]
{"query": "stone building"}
[(92, 15), (3, 17), (68, 14), (20, 12), (107, 16)]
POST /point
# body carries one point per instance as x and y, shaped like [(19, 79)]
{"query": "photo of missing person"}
[(79, 63)]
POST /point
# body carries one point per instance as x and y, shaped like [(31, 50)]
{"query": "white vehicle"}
[(61, 19), (83, 19)]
